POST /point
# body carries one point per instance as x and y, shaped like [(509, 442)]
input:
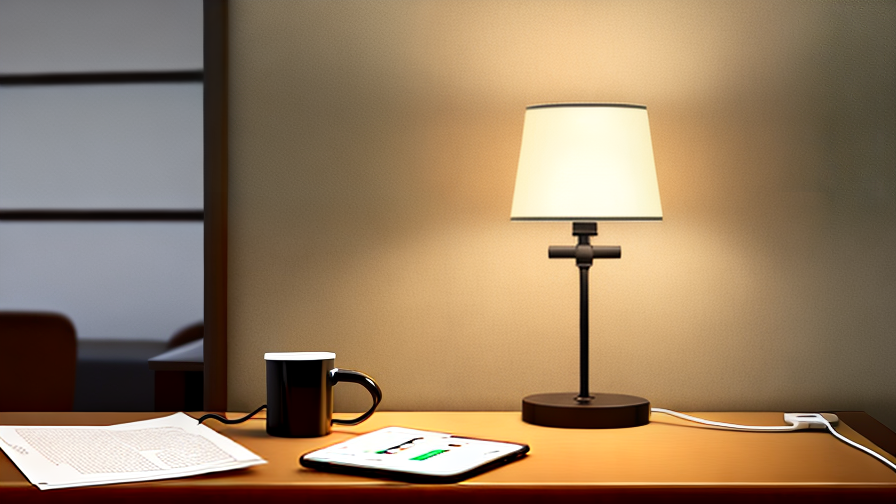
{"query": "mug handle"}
[(347, 375)]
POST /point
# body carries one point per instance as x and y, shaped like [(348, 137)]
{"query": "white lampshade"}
[(586, 162)]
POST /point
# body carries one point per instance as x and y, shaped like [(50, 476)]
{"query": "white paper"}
[(169, 447)]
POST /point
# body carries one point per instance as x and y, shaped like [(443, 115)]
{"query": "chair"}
[(37, 367), (187, 334)]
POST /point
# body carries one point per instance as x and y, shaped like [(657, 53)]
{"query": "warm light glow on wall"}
[(372, 153)]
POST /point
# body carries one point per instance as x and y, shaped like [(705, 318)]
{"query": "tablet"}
[(413, 455)]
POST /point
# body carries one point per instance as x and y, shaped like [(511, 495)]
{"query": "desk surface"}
[(668, 458), (187, 357)]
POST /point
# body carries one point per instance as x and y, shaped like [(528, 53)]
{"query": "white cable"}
[(852, 443), (798, 421), (748, 428)]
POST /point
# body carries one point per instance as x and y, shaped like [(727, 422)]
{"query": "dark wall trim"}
[(101, 215), (100, 78), (215, 169)]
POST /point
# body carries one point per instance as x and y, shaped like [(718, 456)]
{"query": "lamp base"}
[(605, 411)]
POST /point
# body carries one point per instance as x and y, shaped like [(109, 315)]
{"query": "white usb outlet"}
[(811, 421)]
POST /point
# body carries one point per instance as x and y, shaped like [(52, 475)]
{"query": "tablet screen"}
[(411, 451)]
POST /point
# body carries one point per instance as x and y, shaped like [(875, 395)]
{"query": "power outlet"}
[(811, 421)]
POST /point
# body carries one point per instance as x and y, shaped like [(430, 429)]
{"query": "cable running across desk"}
[(796, 421), (747, 428)]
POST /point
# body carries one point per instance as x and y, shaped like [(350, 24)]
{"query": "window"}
[(101, 164)]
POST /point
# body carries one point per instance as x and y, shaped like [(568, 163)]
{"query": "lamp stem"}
[(584, 253), (584, 393), (586, 410)]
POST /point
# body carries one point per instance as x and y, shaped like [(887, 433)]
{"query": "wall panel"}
[(116, 281), (101, 146), (40, 36), (373, 148)]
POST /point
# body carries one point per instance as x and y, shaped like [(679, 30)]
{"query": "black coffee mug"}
[(300, 393)]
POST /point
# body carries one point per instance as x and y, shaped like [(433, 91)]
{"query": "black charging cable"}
[(229, 421)]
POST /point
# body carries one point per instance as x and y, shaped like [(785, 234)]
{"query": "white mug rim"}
[(298, 356)]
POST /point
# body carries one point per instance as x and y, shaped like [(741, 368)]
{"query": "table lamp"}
[(586, 162)]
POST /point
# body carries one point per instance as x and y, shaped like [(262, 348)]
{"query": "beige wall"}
[(373, 149)]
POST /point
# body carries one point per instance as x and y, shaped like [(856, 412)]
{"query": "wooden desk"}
[(667, 460)]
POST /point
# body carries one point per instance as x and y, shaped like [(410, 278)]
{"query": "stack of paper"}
[(170, 447)]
